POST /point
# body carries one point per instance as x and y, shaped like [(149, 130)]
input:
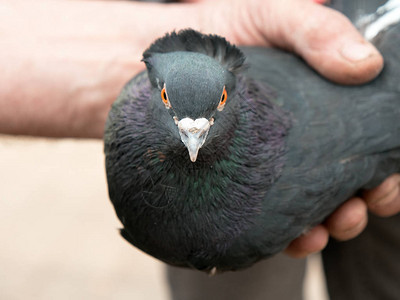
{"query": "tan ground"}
[(58, 231)]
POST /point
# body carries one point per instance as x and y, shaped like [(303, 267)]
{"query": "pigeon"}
[(218, 157)]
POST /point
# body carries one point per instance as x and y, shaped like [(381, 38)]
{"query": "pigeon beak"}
[(193, 134)]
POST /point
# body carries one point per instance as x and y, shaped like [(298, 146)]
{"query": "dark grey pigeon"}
[(218, 157)]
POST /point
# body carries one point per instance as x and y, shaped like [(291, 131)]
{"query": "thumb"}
[(328, 41)]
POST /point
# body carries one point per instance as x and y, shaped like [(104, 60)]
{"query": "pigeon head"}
[(194, 85)]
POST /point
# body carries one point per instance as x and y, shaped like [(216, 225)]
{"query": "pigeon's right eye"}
[(164, 98)]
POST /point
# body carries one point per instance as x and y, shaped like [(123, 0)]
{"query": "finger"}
[(328, 41), (349, 220), (313, 241), (385, 199)]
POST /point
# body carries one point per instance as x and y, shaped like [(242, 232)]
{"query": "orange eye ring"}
[(164, 97), (223, 99)]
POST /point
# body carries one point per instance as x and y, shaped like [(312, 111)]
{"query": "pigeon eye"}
[(164, 98), (222, 101)]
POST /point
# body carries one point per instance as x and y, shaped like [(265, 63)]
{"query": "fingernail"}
[(357, 51)]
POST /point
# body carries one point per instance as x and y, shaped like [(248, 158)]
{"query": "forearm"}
[(64, 63)]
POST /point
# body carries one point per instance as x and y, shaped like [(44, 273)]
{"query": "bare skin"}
[(64, 63)]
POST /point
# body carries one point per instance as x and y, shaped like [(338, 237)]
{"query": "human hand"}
[(350, 219), (323, 37)]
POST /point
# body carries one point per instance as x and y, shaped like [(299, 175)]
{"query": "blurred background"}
[(59, 233)]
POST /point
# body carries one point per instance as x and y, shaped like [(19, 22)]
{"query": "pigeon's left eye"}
[(164, 98), (222, 101)]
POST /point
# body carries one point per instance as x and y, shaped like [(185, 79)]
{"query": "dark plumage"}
[(286, 149)]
